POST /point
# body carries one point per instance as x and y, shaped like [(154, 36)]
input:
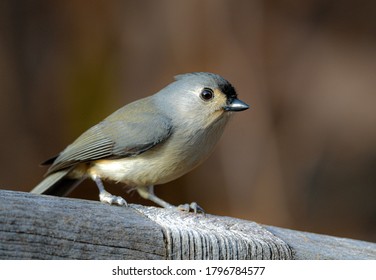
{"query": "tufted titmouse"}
[(151, 141)]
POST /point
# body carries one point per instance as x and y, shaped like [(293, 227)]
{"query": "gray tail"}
[(57, 184)]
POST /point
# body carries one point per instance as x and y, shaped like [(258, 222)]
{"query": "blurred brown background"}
[(304, 156)]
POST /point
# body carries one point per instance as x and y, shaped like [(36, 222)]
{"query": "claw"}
[(193, 206), (106, 197), (148, 193)]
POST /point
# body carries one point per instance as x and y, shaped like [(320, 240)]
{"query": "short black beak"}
[(236, 105)]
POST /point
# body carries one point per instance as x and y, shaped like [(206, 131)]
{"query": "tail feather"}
[(57, 184)]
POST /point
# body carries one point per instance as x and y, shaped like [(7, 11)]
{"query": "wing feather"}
[(115, 138)]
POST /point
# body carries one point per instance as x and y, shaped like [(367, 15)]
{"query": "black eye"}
[(207, 94)]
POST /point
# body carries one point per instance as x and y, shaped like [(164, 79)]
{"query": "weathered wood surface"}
[(312, 246), (197, 236), (46, 227)]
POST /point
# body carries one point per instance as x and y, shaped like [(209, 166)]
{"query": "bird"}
[(148, 142)]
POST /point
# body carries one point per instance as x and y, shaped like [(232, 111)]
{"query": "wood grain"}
[(46, 227)]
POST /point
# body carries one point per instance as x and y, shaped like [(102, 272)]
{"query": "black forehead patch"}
[(227, 89), (224, 85), (210, 79)]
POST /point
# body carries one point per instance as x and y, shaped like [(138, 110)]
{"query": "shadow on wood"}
[(46, 227)]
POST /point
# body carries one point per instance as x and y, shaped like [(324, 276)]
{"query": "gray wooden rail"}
[(46, 227)]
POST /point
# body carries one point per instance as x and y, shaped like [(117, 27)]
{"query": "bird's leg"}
[(105, 196), (148, 193)]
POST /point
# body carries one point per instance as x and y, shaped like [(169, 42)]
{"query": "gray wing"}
[(115, 137)]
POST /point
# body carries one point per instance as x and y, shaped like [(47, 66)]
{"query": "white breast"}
[(163, 163)]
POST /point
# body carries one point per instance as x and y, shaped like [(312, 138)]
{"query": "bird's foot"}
[(191, 207), (105, 196), (108, 198), (148, 193)]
